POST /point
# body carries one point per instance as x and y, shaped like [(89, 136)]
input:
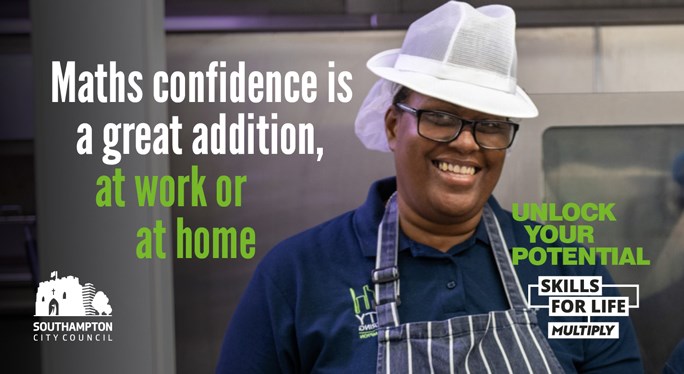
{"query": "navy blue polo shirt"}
[(308, 307)]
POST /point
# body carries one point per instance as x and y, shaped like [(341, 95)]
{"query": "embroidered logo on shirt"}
[(364, 311)]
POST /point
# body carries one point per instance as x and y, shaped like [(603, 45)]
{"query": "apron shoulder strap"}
[(509, 278), (385, 276)]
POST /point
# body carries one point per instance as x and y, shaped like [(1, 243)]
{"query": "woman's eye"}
[(439, 118), (493, 127)]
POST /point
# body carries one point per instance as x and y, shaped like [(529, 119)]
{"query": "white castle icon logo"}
[(67, 297)]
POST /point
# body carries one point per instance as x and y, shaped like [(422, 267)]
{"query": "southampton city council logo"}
[(67, 297)]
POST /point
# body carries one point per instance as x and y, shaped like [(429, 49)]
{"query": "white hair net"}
[(370, 121)]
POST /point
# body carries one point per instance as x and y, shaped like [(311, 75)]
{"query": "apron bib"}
[(497, 342)]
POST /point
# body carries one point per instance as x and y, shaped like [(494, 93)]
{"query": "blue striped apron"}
[(497, 342)]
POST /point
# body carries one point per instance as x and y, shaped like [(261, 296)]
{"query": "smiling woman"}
[(436, 224)]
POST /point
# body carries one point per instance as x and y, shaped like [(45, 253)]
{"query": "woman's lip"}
[(456, 167), (459, 183), (456, 180), (458, 162)]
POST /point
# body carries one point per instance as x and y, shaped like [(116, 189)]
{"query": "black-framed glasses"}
[(444, 127)]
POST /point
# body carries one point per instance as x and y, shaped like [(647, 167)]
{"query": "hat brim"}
[(479, 98)]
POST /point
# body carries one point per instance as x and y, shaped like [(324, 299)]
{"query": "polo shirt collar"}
[(368, 216)]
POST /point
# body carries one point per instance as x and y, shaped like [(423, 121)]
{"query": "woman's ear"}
[(391, 121)]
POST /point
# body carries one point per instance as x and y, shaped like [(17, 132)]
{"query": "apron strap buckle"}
[(386, 282), (385, 275)]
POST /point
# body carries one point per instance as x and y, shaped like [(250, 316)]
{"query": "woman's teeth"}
[(456, 169)]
